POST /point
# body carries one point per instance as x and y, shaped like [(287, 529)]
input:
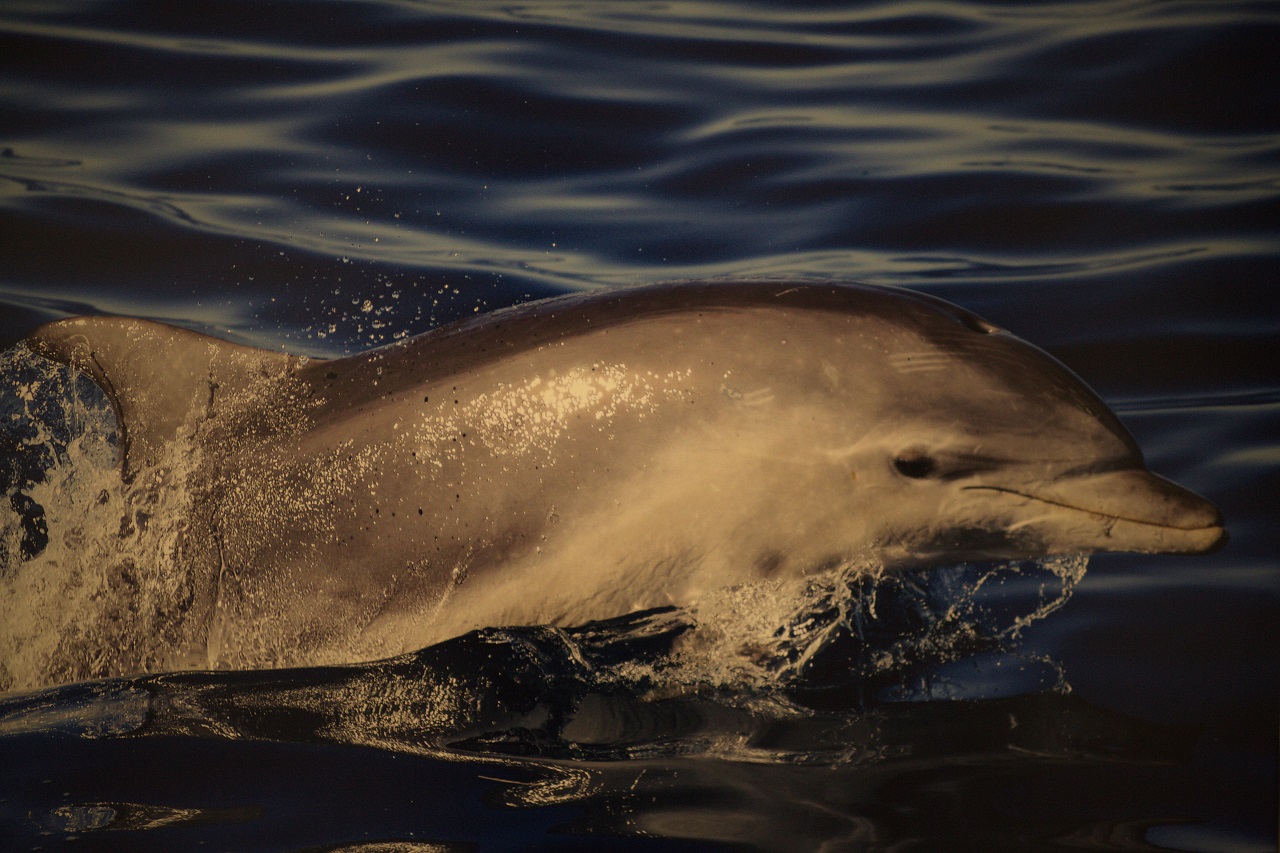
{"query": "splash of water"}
[(91, 580), (886, 634)]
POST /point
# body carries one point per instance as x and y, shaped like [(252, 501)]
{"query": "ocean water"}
[(1101, 178)]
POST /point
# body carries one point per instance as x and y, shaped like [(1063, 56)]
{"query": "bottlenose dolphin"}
[(597, 454)]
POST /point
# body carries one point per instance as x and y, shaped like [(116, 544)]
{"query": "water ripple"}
[(572, 143)]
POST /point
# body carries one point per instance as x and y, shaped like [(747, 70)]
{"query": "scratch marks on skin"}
[(215, 621), (747, 399), (920, 361), (532, 416)]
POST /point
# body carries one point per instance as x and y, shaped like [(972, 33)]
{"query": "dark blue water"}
[(1101, 178)]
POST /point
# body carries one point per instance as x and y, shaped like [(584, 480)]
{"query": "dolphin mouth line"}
[(1098, 513)]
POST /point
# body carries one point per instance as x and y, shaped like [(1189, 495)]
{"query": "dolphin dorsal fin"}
[(158, 377)]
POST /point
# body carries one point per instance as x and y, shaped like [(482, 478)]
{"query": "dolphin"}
[(601, 453)]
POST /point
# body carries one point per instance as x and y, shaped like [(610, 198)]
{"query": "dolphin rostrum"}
[(597, 454)]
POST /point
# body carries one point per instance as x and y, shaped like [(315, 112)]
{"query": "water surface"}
[(1101, 178)]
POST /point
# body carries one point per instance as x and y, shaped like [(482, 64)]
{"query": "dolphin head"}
[(982, 446)]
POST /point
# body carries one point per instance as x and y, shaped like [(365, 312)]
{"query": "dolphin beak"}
[(1129, 510)]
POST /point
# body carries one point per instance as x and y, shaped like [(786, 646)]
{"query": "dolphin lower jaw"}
[(1115, 511), (1139, 537)]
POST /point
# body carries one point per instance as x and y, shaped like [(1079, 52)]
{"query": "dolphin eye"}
[(914, 464)]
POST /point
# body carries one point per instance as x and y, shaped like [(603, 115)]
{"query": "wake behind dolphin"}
[(599, 454)]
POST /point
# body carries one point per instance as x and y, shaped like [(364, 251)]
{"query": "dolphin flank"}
[(592, 455)]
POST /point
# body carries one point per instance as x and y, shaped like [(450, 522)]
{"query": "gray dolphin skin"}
[(597, 454)]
